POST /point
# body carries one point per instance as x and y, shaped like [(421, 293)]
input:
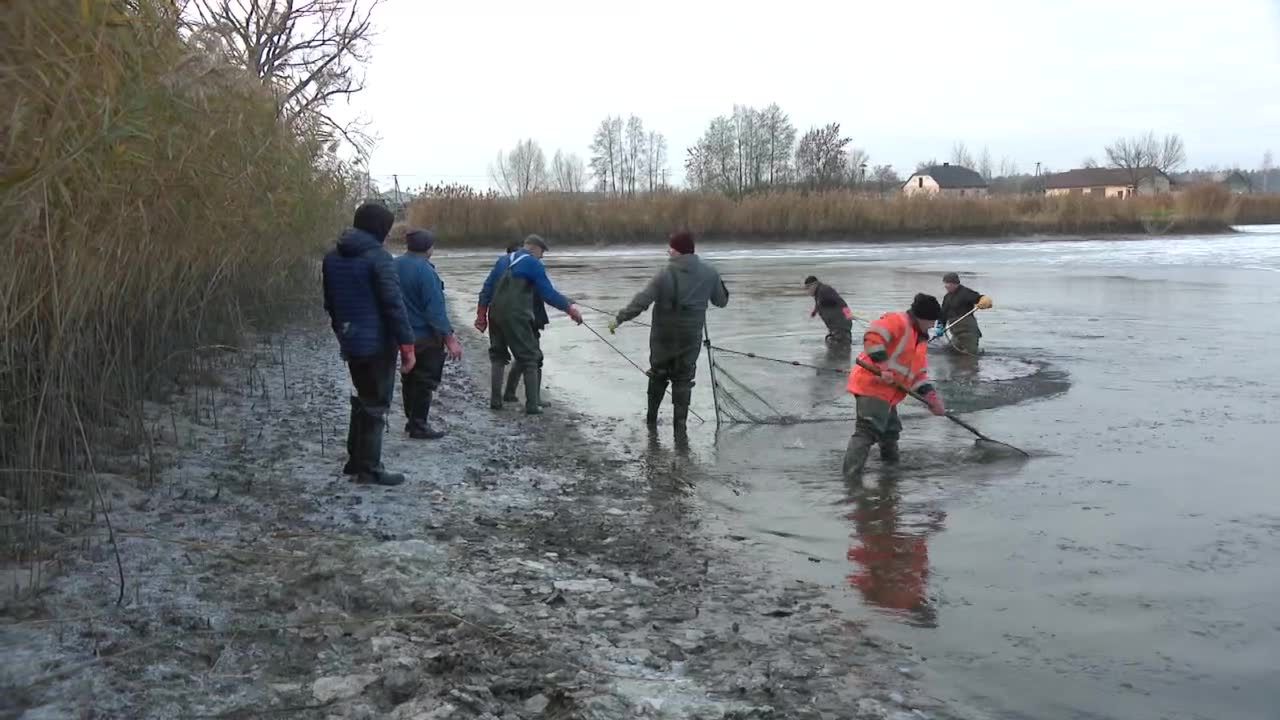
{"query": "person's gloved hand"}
[(984, 303), (453, 348), (935, 403), (848, 313), (813, 313), (407, 359), (937, 332), (574, 314), (613, 326), (482, 318)]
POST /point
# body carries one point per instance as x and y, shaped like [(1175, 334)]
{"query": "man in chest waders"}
[(679, 294), (834, 311), (506, 310), (958, 307), (897, 345)]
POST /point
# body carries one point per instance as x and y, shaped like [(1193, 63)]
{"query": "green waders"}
[(511, 335)]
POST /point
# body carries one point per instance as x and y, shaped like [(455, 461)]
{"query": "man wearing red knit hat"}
[(679, 294)]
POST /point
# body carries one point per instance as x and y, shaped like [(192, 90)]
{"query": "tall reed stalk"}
[(473, 218), (151, 206)]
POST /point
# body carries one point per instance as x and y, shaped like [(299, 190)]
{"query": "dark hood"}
[(354, 242)]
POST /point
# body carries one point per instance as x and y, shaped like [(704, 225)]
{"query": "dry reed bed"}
[(152, 208), (467, 218)]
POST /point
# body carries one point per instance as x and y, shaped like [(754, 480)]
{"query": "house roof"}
[(1095, 177), (954, 176)]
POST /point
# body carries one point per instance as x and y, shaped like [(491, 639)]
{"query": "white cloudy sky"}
[(451, 83)]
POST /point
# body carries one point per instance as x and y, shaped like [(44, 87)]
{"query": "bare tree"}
[(521, 171), (655, 163), (633, 154), (305, 51), (984, 165), (821, 158), (960, 155), (1008, 168), (778, 140), (1089, 162), (712, 163), (1268, 164), (607, 155), (885, 177), (1140, 154), (568, 173), (924, 165)]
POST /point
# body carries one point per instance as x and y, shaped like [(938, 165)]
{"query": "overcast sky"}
[(452, 83)]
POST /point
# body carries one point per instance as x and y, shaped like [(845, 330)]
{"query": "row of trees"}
[(757, 149), (523, 170), (626, 159)]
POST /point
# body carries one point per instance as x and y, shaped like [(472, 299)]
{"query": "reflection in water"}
[(892, 556)]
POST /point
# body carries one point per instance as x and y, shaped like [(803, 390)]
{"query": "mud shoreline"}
[(525, 570)]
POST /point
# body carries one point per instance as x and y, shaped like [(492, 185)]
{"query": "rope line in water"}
[(609, 314), (644, 372), (795, 363)]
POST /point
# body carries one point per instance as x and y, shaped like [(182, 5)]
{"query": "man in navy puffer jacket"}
[(362, 297)]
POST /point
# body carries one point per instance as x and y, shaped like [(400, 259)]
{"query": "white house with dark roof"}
[(946, 180)]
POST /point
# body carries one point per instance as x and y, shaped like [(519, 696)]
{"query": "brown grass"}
[(150, 206), (464, 218)]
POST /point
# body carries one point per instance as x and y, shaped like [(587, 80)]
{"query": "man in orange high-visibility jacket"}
[(897, 344)]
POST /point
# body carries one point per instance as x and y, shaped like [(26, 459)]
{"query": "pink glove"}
[(482, 318), (935, 403), (574, 314), (407, 359), (848, 313), (453, 348)]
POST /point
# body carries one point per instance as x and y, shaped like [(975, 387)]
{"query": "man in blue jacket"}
[(423, 293), (362, 297), (506, 310), (540, 322)]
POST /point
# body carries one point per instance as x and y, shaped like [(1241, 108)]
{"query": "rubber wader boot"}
[(542, 390), (855, 456), (369, 452), (532, 390), (353, 439), (681, 395), (657, 391), (495, 385), (421, 429), (513, 382), (889, 450)]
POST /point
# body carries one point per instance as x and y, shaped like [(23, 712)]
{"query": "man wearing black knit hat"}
[(366, 309), (679, 294), (897, 346)]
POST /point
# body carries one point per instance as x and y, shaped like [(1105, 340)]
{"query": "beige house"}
[(1107, 182), (946, 180)]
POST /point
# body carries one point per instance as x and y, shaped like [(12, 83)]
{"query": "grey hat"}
[(419, 240), (536, 240), (951, 278)]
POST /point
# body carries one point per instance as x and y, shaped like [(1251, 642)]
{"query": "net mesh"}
[(760, 390)]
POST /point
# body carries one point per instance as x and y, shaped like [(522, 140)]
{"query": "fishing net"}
[(755, 389)]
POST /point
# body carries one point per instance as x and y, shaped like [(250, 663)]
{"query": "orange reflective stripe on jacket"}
[(895, 334)]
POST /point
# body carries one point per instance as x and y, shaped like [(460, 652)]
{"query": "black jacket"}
[(955, 305)]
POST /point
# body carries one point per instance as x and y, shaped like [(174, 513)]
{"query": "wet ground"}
[(1130, 569)]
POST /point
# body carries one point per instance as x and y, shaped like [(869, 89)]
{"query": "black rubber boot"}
[(495, 385), (532, 391), (889, 450), (370, 458), (657, 391), (855, 456), (681, 396), (542, 391), (353, 439), (513, 383), (420, 428)]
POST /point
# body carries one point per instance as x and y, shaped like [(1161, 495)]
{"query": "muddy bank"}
[(529, 568)]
